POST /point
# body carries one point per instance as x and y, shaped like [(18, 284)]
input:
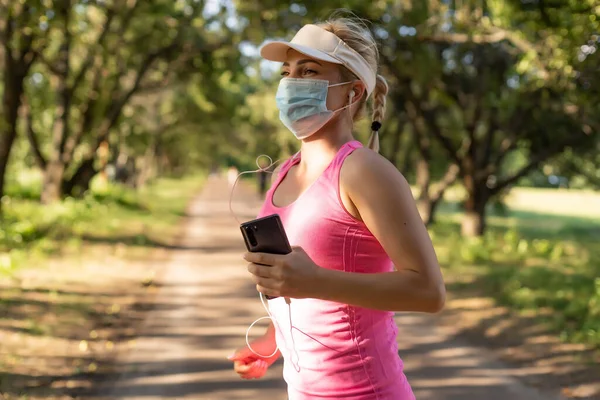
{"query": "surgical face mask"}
[(302, 105)]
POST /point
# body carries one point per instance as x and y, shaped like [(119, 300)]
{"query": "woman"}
[(351, 218)]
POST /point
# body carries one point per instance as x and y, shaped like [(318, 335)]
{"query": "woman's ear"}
[(357, 92)]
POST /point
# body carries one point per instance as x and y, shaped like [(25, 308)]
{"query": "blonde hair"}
[(357, 35)]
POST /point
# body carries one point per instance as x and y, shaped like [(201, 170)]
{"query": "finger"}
[(241, 354), (267, 286), (263, 258), (242, 368), (261, 270), (258, 371), (255, 373), (272, 281), (251, 369), (267, 291), (266, 282), (298, 249)]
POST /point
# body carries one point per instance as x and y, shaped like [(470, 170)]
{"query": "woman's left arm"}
[(383, 198)]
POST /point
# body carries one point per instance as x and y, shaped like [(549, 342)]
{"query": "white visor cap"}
[(321, 44)]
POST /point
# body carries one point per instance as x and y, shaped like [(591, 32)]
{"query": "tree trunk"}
[(16, 69), (423, 184), (11, 101), (7, 139), (427, 209), (429, 198), (146, 168), (424, 202), (52, 183), (428, 204), (424, 207), (407, 157), (474, 220), (395, 145), (81, 179), (473, 223), (56, 165), (36, 150)]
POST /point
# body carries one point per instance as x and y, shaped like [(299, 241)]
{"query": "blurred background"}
[(114, 113)]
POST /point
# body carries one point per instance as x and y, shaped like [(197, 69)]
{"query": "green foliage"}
[(119, 195), (497, 87), (177, 85), (532, 267), (106, 212), (25, 185), (107, 73)]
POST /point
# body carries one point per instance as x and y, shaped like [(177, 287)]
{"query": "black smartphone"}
[(266, 235)]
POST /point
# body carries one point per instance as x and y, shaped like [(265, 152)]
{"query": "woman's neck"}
[(318, 150)]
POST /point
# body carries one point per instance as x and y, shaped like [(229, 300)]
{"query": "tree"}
[(103, 56), (23, 36), (473, 79), (483, 91)]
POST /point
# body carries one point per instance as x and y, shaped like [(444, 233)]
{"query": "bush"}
[(532, 273), (26, 185)]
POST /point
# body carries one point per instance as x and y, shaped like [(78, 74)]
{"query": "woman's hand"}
[(251, 366), (292, 275)]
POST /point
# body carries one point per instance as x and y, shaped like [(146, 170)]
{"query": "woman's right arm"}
[(270, 330)]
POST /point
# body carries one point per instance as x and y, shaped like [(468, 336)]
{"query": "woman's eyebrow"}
[(306, 60)]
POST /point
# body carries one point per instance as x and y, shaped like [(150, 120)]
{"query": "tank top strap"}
[(336, 164), (284, 168)]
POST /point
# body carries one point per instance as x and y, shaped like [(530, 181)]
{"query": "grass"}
[(541, 262), (109, 212)]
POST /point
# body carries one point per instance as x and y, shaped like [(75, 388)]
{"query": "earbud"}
[(351, 96)]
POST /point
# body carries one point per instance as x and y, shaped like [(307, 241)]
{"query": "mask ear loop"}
[(350, 98), (262, 298)]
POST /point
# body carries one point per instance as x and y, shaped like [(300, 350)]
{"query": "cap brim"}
[(277, 51)]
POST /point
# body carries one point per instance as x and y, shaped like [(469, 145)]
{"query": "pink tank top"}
[(333, 350)]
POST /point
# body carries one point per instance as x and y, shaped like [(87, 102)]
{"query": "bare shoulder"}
[(366, 168)]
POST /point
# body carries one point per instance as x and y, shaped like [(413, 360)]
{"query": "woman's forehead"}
[(295, 57)]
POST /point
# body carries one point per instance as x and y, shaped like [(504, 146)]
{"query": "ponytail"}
[(355, 33), (379, 93)]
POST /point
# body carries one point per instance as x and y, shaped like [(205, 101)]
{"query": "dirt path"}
[(205, 302)]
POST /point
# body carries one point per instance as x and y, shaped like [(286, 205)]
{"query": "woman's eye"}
[(310, 71), (284, 73)]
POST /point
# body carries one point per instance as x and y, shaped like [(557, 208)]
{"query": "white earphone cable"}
[(260, 169), (262, 298), (270, 316)]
